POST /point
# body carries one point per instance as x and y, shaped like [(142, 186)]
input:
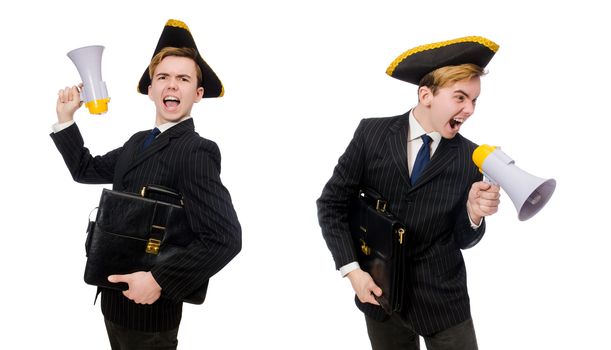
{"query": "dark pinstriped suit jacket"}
[(433, 210), (179, 158)]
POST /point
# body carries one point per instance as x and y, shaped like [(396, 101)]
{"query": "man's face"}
[(452, 106), (174, 89)]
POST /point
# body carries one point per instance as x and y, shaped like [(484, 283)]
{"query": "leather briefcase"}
[(378, 238), (134, 233)]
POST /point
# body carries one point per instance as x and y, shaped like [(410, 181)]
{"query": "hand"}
[(483, 200), (364, 286), (143, 289), (68, 101)]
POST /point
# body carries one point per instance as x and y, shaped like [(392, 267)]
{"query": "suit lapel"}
[(397, 144), (442, 158), (135, 156)]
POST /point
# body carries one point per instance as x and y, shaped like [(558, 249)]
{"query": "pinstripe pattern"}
[(433, 210), (179, 158)]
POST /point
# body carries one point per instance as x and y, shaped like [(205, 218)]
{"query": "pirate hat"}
[(412, 65), (177, 34)]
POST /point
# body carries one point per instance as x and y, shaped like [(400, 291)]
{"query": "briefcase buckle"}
[(381, 205), (152, 246)]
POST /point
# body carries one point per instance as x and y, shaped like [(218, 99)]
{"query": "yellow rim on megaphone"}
[(98, 106), (481, 153)]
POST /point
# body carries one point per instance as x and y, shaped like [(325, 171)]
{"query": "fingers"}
[(129, 294), (481, 186), (118, 278), (364, 286), (487, 210), (369, 293), (377, 291), (484, 190), (139, 299), (122, 278), (489, 199), (142, 287), (69, 94), (62, 95), (484, 199), (368, 298)]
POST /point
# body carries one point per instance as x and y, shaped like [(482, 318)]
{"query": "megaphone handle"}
[(81, 91), (489, 180)]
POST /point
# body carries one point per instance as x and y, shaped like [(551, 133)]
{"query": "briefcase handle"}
[(373, 198), (146, 190)]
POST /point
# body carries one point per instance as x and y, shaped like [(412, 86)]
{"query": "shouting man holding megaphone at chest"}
[(421, 166)]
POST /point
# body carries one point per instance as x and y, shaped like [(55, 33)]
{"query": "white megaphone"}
[(528, 193), (88, 61)]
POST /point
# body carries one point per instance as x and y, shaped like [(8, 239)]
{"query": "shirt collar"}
[(416, 130), (165, 126)]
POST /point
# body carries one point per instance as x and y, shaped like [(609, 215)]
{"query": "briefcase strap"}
[(157, 230)]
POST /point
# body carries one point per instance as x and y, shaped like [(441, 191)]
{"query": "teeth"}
[(171, 98), (456, 121)]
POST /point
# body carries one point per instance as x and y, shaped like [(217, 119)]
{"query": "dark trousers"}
[(126, 339), (395, 334)]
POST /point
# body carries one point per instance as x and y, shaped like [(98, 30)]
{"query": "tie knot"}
[(150, 137), (426, 139)]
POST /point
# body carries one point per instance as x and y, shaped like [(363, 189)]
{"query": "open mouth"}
[(171, 101), (456, 122)]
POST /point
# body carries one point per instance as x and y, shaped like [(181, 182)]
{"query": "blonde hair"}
[(447, 75), (178, 52)]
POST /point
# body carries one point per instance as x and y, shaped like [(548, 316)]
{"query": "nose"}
[(469, 108), (172, 84)]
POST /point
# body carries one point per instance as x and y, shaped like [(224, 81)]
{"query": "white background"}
[(299, 75)]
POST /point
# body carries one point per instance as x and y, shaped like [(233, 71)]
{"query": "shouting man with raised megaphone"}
[(143, 308), (420, 166)]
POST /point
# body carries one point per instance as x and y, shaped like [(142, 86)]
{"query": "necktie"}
[(422, 159), (150, 137)]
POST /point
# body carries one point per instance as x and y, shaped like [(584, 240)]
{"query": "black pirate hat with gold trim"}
[(177, 34), (412, 65)]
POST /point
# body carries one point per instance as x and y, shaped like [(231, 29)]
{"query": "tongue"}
[(171, 104)]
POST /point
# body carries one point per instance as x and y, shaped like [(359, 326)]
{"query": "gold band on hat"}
[(476, 39), (178, 24)]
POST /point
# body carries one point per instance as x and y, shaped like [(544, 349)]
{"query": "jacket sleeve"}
[(83, 167), (211, 217), (336, 195), (464, 235)]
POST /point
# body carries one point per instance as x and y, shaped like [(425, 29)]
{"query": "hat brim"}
[(412, 65)]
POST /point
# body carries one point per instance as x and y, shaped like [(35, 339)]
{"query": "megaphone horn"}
[(528, 193), (88, 61)]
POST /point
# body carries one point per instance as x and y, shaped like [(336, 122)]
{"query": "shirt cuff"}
[(474, 225), (346, 269), (57, 127)]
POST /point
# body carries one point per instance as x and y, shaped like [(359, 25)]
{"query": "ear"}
[(199, 94), (149, 92), (425, 95)]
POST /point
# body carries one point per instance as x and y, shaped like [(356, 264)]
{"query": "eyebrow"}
[(162, 74), (461, 92)]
